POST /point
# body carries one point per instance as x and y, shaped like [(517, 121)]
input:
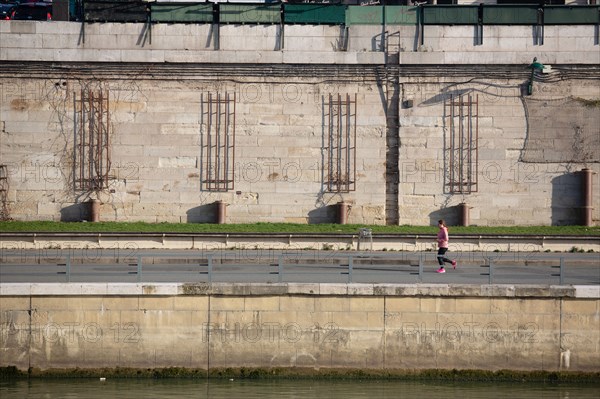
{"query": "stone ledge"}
[(313, 289), (587, 291)]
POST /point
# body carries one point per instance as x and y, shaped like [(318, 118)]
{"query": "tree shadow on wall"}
[(207, 213), (76, 213), (446, 95), (566, 199), (484, 88), (323, 214)]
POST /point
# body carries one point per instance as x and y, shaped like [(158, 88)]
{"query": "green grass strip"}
[(284, 228)]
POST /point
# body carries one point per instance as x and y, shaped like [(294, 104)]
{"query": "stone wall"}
[(281, 127), (317, 326), (156, 152), (518, 175), (156, 146)]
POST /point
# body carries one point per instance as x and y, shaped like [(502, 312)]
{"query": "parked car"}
[(6, 9), (40, 11)]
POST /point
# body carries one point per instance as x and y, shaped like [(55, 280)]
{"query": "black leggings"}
[(441, 258)]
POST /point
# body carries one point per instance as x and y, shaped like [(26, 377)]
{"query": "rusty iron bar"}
[(463, 144), (92, 141), (90, 149), (226, 145), (219, 146), (218, 142), (340, 143), (82, 141), (232, 173), (209, 144), (354, 144), (452, 134), (330, 145), (98, 158), (107, 140), (340, 113), (348, 141), (477, 143), (470, 144)]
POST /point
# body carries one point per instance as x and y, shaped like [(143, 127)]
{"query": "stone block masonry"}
[(314, 326), (529, 151), (280, 153)]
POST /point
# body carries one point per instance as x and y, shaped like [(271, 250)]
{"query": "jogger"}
[(442, 239)]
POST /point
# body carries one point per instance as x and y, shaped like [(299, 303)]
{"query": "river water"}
[(288, 389)]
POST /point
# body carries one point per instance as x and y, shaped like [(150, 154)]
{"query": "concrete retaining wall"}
[(113, 42), (300, 325)]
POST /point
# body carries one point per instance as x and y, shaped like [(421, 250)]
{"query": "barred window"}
[(462, 126), (217, 142), (91, 163), (340, 143)]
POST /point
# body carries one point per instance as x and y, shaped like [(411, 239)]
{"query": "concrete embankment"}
[(369, 327)]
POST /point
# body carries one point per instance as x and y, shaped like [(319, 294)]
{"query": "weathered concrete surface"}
[(317, 326), (313, 44)]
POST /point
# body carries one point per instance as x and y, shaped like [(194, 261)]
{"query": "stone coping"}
[(129, 244), (310, 289)]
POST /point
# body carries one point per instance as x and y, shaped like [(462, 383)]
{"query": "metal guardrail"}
[(15, 238), (311, 266)]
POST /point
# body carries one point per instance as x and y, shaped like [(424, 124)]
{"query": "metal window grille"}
[(339, 143), (217, 142), (92, 140), (462, 114)]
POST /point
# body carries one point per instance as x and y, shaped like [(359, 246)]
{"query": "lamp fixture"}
[(535, 65)]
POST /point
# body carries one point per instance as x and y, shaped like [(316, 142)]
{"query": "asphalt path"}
[(302, 266)]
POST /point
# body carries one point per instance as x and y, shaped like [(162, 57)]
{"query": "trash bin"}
[(221, 211), (94, 208), (586, 193), (464, 213), (342, 212)]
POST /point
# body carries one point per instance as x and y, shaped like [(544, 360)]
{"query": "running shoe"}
[(454, 264), (441, 270)]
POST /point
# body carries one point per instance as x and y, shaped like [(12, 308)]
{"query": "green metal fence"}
[(314, 14), (450, 15), (510, 15), (181, 12), (356, 15), (250, 13), (336, 14), (572, 15), (401, 15)]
